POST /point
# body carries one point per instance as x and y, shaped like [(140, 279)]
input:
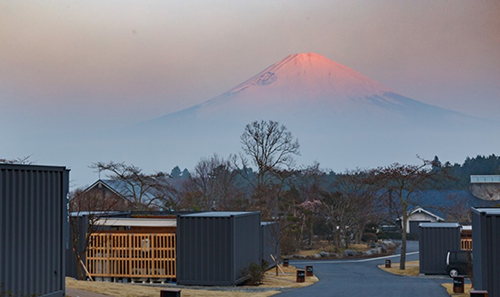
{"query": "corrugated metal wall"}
[(269, 242), (246, 243), (213, 247), (33, 229), (435, 240), (486, 249)]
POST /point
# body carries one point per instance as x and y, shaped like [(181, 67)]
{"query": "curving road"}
[(354, 278)]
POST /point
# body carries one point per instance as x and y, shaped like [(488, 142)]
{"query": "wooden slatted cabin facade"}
[(133, 249)]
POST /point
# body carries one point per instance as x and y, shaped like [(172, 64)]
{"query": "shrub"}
[(382, 235), (255, 273), (369, 237)]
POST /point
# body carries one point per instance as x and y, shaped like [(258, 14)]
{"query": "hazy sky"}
[(77, 65)]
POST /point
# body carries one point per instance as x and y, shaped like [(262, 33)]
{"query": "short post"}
[(170, 293), (286, 262), (458, 284), (301, 275), (478, 293), (387, 263), (309, 270)]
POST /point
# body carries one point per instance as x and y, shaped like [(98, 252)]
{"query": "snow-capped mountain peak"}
[(309, 71)]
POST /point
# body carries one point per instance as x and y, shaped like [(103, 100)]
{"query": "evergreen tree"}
[(176, 172), (185, 174)]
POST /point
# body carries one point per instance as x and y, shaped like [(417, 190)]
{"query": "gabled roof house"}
[(419, 215), (114, 195)]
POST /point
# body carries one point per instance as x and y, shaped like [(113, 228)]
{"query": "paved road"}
[(354, 278)]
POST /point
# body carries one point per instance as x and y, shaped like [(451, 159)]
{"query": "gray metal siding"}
[(485, 251), (269, 242), (212, 250), (204, 251), (434, 244), (246, 243), (33, 229), (414, 227)]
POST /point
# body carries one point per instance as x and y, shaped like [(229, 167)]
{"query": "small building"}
[(33, 230), (417, 216), (435, 240), (207, 248), (133, 249), (214, 247), (486, 247), (114, 195)]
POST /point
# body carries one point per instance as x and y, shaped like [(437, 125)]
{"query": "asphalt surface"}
[(354, 278)]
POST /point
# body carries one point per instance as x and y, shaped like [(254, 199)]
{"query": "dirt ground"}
[(271, 286)]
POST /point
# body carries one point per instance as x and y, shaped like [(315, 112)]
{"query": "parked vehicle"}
[(459, 263)]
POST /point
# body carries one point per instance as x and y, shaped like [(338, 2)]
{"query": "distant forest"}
[(456, 176), (460, 173)]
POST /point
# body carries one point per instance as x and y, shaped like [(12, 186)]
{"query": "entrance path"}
[(362, 278)]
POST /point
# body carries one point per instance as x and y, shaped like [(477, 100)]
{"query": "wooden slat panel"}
[(466, 244), (132, 255)]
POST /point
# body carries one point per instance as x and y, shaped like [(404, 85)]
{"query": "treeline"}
[(458, 175), (308, 202)]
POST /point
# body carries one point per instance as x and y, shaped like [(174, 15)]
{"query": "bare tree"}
[(310, 185), (23, 160), (339, 214), (457, 208), (402, 182), (270, 147), (83, 221), (144, 191), (212, 186), (353, 186)]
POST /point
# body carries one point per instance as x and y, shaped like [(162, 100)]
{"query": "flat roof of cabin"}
[(136, 222)]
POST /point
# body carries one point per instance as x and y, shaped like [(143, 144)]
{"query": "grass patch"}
[(289, 280), (412, 268), (324, 246), (132, 290)]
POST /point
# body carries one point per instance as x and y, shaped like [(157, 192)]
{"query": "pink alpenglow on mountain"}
[(311, 86), (310, 72)]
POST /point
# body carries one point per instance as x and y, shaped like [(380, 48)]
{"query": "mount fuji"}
[(310, 84), (341, 118)]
